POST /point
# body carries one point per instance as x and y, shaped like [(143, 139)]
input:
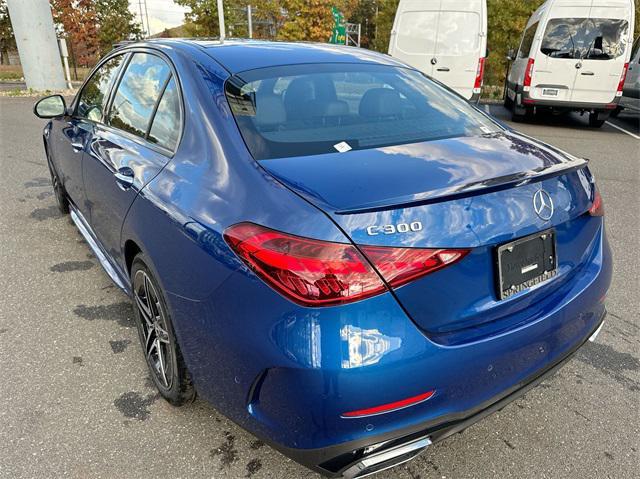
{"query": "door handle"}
[(124, 177), (587, 73), (443, 69)]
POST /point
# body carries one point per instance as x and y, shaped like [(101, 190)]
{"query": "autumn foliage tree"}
[(77, 22)]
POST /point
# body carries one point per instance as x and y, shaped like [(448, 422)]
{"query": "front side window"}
[(527, 41), (312, 109), (138, 92), (93, 98), (584, 38)]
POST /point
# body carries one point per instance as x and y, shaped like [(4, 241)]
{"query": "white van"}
[(446, 39), (573, 56)]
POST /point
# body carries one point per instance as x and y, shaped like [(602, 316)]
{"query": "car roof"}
[(237, 55)]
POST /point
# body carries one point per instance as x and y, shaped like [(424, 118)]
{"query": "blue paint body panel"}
[(287, 372)]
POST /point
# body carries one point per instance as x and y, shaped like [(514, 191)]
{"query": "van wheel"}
[(594, 121), (157, 336), (617, 111)]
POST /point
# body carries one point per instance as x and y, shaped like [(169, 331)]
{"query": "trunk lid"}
[(468, 192)]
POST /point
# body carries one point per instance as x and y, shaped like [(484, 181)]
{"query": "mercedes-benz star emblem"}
[(543, 205)]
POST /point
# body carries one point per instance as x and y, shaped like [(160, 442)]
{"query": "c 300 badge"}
[(412, 227)]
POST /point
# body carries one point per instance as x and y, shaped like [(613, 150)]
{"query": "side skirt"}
[(94, 244)]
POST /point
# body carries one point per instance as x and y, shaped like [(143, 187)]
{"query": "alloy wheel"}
[(156, 340)]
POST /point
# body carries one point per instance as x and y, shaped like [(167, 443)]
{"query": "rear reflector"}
[(623, 77), (528, 73), (320, 273), (597, 207), (477, 86), (392, 406), (399, 266), (306, 271)]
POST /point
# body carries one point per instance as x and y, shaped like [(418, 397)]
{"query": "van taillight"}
[(477, 86), (623, 77), (528, 73), (321, 273)]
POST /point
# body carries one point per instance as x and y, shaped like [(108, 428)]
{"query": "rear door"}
[(413, 38), (137, 139), (458, 45)]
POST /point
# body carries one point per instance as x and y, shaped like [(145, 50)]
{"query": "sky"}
[(162, 13)]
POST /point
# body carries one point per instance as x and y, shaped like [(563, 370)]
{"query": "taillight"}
[(394, 406), (597, 207), (623, 77), (528, 73), (477, 86), (320, 273), (308, 272), (399, 266)]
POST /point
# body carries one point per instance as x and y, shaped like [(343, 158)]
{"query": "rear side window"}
[(165, 128), (587, 38), (527, 41), (303, 110), (138, 92), (93, 98)]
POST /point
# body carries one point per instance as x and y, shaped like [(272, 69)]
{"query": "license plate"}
[(550, 92), (526, 262)]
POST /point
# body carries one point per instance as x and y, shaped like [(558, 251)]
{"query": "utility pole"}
[(147, 15), (141, 18), (32, 24), (221, 21), (250, 21)]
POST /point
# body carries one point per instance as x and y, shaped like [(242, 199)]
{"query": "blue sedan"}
[(340, 254)]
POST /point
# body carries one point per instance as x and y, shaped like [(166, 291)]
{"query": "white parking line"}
[(623, 130), (487, 109)]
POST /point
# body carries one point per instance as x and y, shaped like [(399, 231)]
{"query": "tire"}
[(508, 102), (617, 111), (594, 122), (58, 190), (157, 337)]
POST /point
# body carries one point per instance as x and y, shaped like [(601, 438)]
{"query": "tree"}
[(77, 21), (115, 23), (202, 19), (383, 22), (7, 39)]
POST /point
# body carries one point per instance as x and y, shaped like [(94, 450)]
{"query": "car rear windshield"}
[(312, 109), (587, 38)]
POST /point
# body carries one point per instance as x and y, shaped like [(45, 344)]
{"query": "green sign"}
[(339, 34)]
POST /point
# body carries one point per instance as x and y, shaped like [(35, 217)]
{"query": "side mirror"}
[(50, 107), (511, 54)]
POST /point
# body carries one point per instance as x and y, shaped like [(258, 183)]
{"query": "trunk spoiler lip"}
[(470, 189)]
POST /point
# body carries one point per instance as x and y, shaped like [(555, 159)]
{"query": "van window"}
[(329, 108), (417, 32), (137, 93), (458, 33), (527, 41), (587, 38)]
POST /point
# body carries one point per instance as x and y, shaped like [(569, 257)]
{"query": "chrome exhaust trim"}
[(387, 459)]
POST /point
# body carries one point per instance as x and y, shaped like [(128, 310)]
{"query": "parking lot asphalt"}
[(76, 401)]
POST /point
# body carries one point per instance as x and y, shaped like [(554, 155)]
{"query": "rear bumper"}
[(523, 99), (352, 459)]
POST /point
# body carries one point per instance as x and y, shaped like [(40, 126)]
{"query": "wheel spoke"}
[(151, 346), (144, 311), (162, 334), (162, 363)]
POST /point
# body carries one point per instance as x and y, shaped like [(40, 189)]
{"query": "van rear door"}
[(459, 46), (604, 57), (413, 38)]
